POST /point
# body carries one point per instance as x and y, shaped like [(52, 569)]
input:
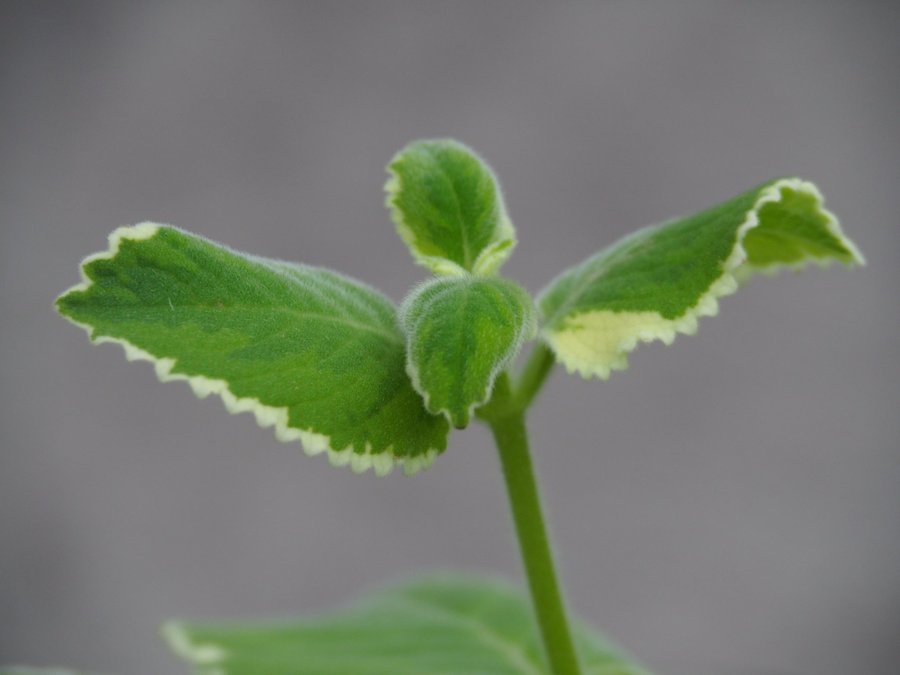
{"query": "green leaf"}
[(447, 206), (461, 332), (441, 626), (657, 282), (316, 355)]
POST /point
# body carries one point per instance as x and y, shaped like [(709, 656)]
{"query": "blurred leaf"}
[(440, 626)]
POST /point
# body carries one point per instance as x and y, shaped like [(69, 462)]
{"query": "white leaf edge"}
[(526, 332), (597, 342), (204, 655), (491, 257), (313, 443)]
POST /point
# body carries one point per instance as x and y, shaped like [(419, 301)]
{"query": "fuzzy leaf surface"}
[(443, 626), (461, 332), (315, 354), (447, 206), (657, 282)]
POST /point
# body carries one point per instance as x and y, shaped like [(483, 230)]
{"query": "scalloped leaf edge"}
[(574, 349), (313, 443)]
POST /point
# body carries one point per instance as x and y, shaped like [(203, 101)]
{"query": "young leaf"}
[(660, 280), (441, 626), (460, 333), (316, 355), (447, 206)]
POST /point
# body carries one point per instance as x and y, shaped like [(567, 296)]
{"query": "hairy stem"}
[(506, 418)]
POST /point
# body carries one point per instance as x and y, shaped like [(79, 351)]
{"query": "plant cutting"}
[(329, 362)]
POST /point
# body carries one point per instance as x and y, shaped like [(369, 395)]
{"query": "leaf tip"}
[(460, 420), (141, 231)]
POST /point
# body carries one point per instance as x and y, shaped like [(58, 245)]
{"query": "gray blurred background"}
[(728, 506)]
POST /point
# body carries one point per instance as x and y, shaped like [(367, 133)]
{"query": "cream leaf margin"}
[(488, 261), (313, 443), (597, 342), (180, 641), (526, 332)]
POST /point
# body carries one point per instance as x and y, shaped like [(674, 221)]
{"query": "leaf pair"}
[(464, 327), (327, 360)]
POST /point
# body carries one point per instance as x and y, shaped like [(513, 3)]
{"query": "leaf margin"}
[(491, 258), (312, 443), (734, 271), (527, 331)]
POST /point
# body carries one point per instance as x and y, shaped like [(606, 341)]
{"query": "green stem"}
[(535, 372), (507, 421)]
